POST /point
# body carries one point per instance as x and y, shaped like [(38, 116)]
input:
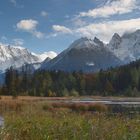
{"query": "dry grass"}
[(10, 105), (32, 118), (96, 107)]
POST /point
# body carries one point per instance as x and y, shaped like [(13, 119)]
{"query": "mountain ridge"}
[(17, 56), (88, 55), (85, 55), (126, 47)]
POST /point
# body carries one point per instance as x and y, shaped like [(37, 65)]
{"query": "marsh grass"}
[(40, 120), (95, 107)]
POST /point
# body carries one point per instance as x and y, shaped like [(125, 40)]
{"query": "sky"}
[(52, 25)]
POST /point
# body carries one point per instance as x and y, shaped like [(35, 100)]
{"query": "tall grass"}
[(44, 121), (97, 107)]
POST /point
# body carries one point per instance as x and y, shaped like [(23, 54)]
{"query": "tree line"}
[(121, 81)]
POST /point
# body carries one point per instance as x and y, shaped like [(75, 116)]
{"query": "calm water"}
[(1, 121), (108, 102)]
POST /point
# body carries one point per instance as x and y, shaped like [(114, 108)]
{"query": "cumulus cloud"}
[(61, 29), (27, 25), (105, 30), (49, 54), (112, 7), (30, 26)]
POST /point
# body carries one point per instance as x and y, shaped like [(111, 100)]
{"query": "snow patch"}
[(91, 64)]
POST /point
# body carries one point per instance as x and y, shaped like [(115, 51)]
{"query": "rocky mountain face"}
[(87, 55), (33, 66), (84, 54), (17, 56), (92, 55), (126, 47)]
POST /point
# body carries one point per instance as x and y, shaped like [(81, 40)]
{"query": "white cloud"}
[(27, 25), (112, 7), (61, 29), (102, 30), (30, 26), (79, 22), (44, 14), (105, 30), (38, 34), (49, 54)]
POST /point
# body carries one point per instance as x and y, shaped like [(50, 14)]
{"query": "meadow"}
[(37, 119)]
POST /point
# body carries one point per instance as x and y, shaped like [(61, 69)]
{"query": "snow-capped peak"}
[(19, 47), (98, 42), (127, 47), (116, 36), (85, 42), (115, 41), (88, 55), (17, 56)]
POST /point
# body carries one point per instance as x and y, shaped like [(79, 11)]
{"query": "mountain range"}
[(126, 47), (84, 54), (91, 55), (17, 56)]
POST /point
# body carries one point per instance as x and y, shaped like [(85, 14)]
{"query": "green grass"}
[(41, 121)]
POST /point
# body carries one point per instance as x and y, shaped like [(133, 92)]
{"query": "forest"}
[(120, 81)]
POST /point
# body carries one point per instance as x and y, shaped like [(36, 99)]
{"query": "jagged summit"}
[(16, 56), (98, 42), (83, 42), (84, 54), (115, 41), (92, 54), (127, 47), (116, 36), (86, 43)]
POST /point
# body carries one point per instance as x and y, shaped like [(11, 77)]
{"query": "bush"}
[(82, 107), (97, 107), (79, 107), (74, 93), (65, 93)]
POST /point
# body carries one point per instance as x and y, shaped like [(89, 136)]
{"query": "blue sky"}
[(52, 25)]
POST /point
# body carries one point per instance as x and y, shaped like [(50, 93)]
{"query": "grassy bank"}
[(42, 120)]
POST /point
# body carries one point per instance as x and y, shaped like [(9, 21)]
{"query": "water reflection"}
[(1, 121)]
